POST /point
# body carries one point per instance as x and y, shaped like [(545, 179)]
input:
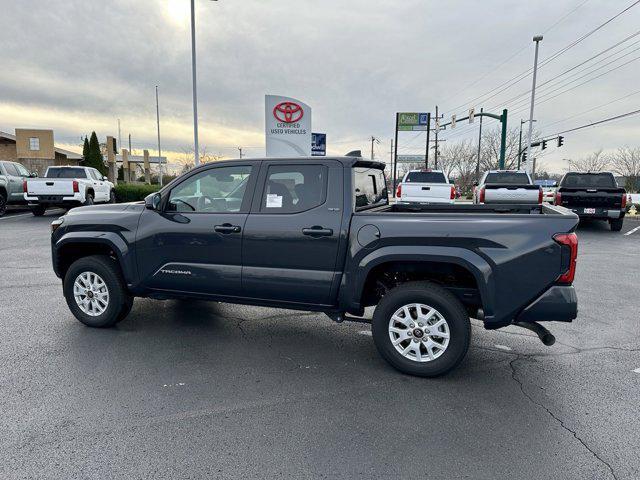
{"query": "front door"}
[(194, 244), (291, 237)]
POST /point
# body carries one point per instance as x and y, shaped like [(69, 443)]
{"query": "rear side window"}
[(589, 180), (294, 188), (425, 177), (508, 178), (370, 188), (53, 172), (11, 169)]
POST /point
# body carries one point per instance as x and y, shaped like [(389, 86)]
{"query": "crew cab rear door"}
[(193, 244), (291, 237)]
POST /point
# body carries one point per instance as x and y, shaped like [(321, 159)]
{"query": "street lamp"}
[(195, 89), (537, 39)]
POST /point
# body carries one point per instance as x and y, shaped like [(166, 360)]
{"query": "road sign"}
[(453, 121), (412, 121), (472, 113)]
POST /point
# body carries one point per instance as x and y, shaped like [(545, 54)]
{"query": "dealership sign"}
[(318, 144), (412, 121), (410, 159), (287, 127)]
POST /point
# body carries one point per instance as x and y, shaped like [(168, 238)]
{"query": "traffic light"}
[(560, 140), (544, 144)]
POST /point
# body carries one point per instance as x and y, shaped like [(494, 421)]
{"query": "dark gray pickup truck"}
[(320, 235)]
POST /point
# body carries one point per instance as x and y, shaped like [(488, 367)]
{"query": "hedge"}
[(134, 192)]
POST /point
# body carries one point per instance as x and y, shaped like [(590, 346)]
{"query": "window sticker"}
[(274, 201)]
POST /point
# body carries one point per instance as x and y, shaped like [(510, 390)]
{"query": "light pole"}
[(158, 124), (195, 88), (537, 39)]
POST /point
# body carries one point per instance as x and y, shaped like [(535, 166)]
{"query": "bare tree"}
[(188, 160), (595, 162), (465, 160), (490, 150), (626, 162)]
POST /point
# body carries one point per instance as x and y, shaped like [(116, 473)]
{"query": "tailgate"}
[(591, 198), (50, 187), (424, 192), (511, 193)]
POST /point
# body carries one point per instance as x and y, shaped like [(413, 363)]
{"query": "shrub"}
[(132, 192)]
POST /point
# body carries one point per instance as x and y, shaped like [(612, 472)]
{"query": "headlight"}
[(56, 223)]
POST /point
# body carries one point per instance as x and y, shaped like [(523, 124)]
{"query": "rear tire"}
[(434, 315), (616, 225), (96, 292), (112, 197), (39, 210), (3, 204)]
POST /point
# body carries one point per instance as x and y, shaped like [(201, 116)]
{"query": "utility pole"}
[(479, 146), (395, 157), (437, 128), (240, 150), (426, 150), (537, 39), (158, 125), (372, 140), (520, 144), (119, 137), (130, 151)]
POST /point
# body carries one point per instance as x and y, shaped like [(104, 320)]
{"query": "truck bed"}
[(515, 208)]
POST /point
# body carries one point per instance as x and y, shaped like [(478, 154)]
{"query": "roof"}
[(68, 153)]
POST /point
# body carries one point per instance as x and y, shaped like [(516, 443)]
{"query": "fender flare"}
[(111, 239), (465, 258)]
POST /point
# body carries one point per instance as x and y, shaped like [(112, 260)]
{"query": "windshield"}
[(66, 173), (425, 177), (589, 180), (509, 178)]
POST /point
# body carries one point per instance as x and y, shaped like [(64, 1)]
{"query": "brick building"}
[(35, 149)]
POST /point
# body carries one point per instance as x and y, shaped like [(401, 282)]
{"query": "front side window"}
[(370, 187), (217, 190), (34, 143), (11, 169), (294, 188), (23, 172)]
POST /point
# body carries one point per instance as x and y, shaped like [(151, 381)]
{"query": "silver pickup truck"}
[(507, 186), (12, 177)]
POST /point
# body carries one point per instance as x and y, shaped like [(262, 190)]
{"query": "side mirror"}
[(105, 179), (475, 184), (152, 201), (33, 174)]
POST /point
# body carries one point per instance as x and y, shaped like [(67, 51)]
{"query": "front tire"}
[(616, 224), (88, 200), (3, 204), (421, 329), (95, 291), (112, 197)]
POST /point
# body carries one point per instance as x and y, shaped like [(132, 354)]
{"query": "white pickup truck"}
[(507, 186), (67, 187), (425, 186)]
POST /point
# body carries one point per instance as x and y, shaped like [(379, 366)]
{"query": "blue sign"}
[(422, 120), (318, 144)]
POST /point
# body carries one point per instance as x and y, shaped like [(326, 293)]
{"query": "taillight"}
[(453, 193), (623, 203), (399, 191), (568, 240), (558, 199), (76, 188), (24, 186), (540, 195), (481, 200)]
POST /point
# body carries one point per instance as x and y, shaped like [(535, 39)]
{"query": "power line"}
[(610, 119)]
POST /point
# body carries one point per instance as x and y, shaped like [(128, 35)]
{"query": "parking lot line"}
[(15, 216), (631, 231)]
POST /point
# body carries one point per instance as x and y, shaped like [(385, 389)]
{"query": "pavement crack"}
[(514, 376)]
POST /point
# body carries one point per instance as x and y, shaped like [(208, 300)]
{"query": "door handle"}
[(317, 231), (227, 228)]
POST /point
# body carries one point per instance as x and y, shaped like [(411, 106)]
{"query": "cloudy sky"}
[(79, 65)]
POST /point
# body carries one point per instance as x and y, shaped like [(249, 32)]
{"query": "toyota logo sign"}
[(288, 112)]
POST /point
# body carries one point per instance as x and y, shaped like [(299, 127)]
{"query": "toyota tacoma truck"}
[(425, 186), (593, 196), (67, 187), (507, 186), (320, 235), (12, 176)]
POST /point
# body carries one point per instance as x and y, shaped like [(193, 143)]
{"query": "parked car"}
[(594, 196), (425, 186), (507, 186), (68, 187), (320, 234), (12, 175)]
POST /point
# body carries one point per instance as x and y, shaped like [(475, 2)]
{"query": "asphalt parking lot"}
[(195, 390)]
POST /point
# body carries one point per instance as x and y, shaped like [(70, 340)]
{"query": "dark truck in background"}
[(593, 196), (319, 234)]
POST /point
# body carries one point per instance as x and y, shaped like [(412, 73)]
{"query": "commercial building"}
[(35, 149)]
